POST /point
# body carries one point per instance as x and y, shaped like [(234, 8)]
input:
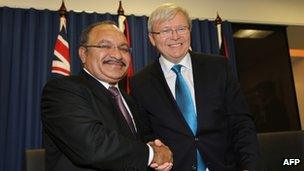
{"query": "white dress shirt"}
[(186, 71)]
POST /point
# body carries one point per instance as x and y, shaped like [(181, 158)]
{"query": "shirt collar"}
[(167, 65), (105, 84)]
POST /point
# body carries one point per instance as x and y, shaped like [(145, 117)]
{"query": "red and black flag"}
[(222, 42), (123, 26)]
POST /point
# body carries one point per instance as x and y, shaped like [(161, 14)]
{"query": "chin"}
[(178, 56)]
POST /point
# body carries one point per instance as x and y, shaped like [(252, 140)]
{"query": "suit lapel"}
[(108, 102), (97, 88), (158, 79), (200, 74), (134, 111), (160, 83)]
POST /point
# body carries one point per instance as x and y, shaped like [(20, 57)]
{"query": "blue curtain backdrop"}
[(27, 41)]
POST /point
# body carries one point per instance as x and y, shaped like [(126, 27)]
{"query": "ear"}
[(151, 39), (82, 51)]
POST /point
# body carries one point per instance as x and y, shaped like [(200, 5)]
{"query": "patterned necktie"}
[(114, 91), (186, 105)]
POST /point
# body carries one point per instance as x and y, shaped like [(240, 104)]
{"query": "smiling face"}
[(175, 46), (104, 54)]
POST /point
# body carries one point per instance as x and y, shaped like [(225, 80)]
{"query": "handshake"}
[(163, 159)]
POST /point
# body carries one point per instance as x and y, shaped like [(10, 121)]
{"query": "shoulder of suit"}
[(147, 70), (69, 81), (207, 58), (145, 75), (64, 79)]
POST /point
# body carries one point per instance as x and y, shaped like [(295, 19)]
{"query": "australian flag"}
[(61, 65)]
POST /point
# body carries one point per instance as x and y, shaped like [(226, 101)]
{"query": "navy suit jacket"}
[(226, 135), (84, 130)]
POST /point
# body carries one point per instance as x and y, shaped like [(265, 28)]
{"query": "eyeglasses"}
[(168, 32), (109, 47)]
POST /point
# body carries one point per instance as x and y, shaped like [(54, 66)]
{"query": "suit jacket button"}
[(193, 167), (196, 139)]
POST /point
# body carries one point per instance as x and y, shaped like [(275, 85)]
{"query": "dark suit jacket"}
[(85, 131), (226, 135)]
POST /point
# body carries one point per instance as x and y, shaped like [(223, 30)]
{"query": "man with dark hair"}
[(89, 123)]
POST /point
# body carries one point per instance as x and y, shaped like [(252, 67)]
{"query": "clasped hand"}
[(163, 158)]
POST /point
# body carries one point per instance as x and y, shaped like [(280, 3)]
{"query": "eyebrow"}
[(104, 41), (109, 42), (168, 27), (164, 28)]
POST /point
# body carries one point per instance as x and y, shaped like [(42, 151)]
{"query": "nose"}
[(174, 34), (115, 52)]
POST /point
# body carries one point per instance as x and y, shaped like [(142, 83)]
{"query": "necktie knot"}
[(114, 91), (176, 68)]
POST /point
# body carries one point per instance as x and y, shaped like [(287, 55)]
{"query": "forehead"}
[(107, 32), (178, 20)]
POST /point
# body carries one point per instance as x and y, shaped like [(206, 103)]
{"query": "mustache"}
[(113, 59)]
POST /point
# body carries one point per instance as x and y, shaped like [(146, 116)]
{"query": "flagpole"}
[(222, 41), (62, 13), (123, 26), (218, 23), (121, 17)]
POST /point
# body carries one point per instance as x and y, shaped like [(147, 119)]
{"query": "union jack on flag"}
[(62, 61)]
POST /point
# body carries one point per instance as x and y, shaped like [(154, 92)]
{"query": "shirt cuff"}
[(151, 155)]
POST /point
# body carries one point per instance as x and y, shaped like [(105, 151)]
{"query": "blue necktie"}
[(186, 106)]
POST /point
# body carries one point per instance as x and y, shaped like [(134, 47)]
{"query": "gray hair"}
[(166, 12), (86, 32)]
